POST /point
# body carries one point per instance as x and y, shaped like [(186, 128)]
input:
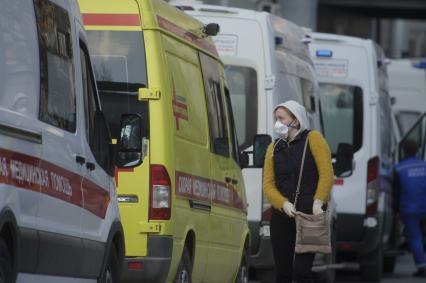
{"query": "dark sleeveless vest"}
[(287, 160)]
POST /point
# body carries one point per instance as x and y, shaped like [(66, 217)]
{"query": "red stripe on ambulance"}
[(30, 173), (202, 189), (111, 19)]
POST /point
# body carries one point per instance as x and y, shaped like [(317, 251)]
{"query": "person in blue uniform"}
[(411, 192)]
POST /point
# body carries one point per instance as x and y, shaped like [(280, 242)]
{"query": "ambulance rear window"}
[(119, 59), (243, 89), (406, 120), (342, 110), (119, 64)]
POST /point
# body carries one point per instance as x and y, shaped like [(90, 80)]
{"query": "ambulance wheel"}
[(111, 272), (184, 272), (243, 270), (5, 263)]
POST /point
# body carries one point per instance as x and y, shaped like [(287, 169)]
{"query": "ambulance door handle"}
[(90, 166), (228, 179), (80, 159)]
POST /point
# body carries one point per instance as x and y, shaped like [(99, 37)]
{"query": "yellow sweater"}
[(322, 157)]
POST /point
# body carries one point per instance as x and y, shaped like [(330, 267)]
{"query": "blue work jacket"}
[(411, 184)]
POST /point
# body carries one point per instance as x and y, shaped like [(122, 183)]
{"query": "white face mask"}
[(281, 129)]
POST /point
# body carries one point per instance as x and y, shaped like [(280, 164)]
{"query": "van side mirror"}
[(260, 145), (344, 159), (211, 29), (129, 149)]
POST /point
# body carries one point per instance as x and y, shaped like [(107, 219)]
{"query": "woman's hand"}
[(289, 209), (317, 207)]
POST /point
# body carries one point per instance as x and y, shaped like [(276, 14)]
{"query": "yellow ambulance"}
[(184, 207)]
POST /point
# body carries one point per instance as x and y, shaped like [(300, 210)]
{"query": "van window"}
[(120, 67), (215, 106), (90, 105), (417, 134), (19, 60), (308, 95), (234, 141), (342, 109), (243, 88), (119, 59), (406, 120), (91, 108), (57, 90)]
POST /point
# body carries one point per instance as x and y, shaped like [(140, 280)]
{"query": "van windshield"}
[(242, 82), (119, 63), (342, 110)]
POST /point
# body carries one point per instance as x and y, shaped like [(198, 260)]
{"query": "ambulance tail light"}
[(372, 186), (160, 193), (267, 214), (266, 210)]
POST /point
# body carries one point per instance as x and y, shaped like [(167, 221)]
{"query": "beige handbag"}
[(313, 233)]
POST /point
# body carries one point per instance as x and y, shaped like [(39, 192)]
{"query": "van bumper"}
[(155, 266), (353, 235)]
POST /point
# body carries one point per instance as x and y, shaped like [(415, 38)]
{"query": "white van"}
[(357, 119), (59, 219), (267, 62), (407, 85)]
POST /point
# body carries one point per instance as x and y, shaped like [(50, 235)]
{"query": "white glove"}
[(317, 207), (289, 209)]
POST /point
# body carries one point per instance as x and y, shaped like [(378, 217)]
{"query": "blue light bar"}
[(324, 53), (420, 65)]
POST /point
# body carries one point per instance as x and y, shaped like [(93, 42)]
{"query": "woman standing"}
[(281, 172)]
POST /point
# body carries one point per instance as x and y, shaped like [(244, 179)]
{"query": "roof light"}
[(279, 40), (324, 53), (420, 65)]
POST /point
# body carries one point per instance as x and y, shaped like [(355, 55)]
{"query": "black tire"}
[(184, 271), (371, 265), (243, 269), (111, 273), (389, 263), (6, 273)]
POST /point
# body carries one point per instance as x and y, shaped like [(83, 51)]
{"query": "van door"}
[(220, 226), (238, 207), (418, 134), (96, 183), (59, 213), (119, 64)]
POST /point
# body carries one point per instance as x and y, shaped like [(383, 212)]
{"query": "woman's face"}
[(285, 117)]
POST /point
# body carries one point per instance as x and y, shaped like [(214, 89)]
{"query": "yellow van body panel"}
[(179, 139)]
